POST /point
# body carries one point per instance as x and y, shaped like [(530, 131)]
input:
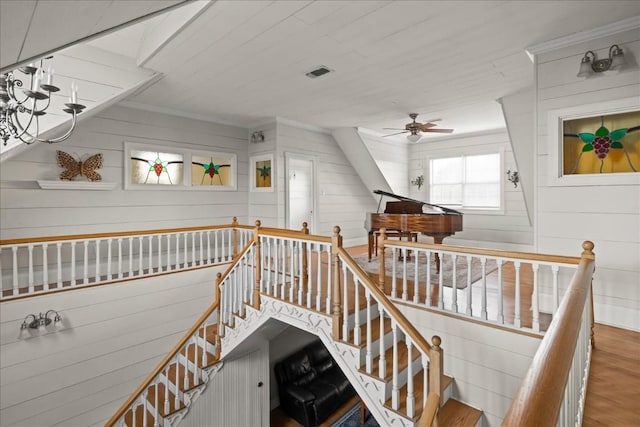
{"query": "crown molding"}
[(585, 36)]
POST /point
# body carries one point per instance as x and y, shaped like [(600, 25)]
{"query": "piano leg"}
[(438, 241), (371, 236)]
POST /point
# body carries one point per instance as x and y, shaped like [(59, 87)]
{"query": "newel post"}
[(258, 265), (587, 253), (336, 312), (234, 224), (436, 367), (382, 274), (305, 266)]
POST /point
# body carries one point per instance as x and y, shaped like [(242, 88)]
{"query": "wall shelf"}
[(76, 185)]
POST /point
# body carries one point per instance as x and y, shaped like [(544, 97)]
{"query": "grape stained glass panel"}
[(601, 144), (156, 168)]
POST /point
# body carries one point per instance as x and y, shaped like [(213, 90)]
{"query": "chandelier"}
[(19, 115)]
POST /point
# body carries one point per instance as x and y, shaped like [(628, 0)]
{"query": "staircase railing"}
[(476, 282), (553, 391), (167, 391), (34, 266)]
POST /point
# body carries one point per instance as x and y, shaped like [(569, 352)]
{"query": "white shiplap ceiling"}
[(244, 62)]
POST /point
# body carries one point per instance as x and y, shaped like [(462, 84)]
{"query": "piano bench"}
[(393, 234)]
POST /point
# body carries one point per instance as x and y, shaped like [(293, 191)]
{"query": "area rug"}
[(373, 267), (352, 419)]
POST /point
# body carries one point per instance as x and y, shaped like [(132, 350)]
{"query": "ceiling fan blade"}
[(397, 133), (393, 129), (425, 126), (439, 130)]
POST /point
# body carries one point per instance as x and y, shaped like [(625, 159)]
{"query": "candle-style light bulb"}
[(35, 87), (74, 92), (49, 75)]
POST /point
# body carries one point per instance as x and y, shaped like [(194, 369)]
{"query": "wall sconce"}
[(46, 319), (513, 177), (257, 137), (419, 181), (591, 64)]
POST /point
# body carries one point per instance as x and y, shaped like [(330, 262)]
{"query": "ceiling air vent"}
[(320, 71)]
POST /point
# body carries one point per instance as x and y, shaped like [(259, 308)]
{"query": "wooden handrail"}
[(389, 306), (94, 236), (541, 393), (430, 410), (293, 234), (125, 406), (529, 256)]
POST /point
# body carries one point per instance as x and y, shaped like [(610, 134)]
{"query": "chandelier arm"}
[(66, 135), (12, 91), (32, 138), (16, 121)]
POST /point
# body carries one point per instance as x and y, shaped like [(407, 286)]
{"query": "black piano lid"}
[(407, 199)]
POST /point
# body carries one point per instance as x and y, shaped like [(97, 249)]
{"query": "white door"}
[(300, 190)]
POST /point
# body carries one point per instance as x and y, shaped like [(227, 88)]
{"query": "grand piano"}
[(406, 217)]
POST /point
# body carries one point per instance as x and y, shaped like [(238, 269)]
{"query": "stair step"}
[(189, 352), (138, 419), (457, 414), (418, 385), (375, 332), (388, 354), (151, 397)]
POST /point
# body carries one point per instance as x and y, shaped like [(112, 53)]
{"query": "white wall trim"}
[(585, 36)]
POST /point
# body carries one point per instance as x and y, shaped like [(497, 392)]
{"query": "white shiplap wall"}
[(391, 158), (78, 372), (343, 199), (509, 230), (609, 215), (264, 205), (28, 211)]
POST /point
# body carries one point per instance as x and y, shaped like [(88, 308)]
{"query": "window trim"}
[(467, 152)]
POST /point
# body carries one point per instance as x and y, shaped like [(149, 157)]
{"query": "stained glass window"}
[(602, 144), (156, 168), (213, 170)]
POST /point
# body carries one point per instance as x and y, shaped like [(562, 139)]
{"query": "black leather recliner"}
[(311, 385)]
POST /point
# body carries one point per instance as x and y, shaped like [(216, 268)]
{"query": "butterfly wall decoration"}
[(74, 167)]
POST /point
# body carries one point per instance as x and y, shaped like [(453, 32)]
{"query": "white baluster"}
[(440, 282), (196, 369), (516, 319), (208, 246), (405, 294), (193, 249), (169, 252), (535, 306), (345, 304), (167, 405), (140, 255), (483, 309), (145, 413), (159, 253), (382, 364), (411, 400), (469, 290), (306, 256), (301, 289), (120, 275), (428, 262), (394, 285), (425, 379), (176, 397), (329, 278), (500, 318), (177, 251), (73, 263), (109, 256), (30, 268), (201, 248), (59, 261), (292, 256), (186, 249), (97, 279), (45, 266), (85, 259), (156, 405), (215, 246), (454, 288), (319, 272), (130, 239), (556, 295), (356, 304), (16, 286), (369, 355), (150, 251), (416, 283), (223, 248), (204, 351), (395, 390)]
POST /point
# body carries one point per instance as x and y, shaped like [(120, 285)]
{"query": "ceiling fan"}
[(416, 128)]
